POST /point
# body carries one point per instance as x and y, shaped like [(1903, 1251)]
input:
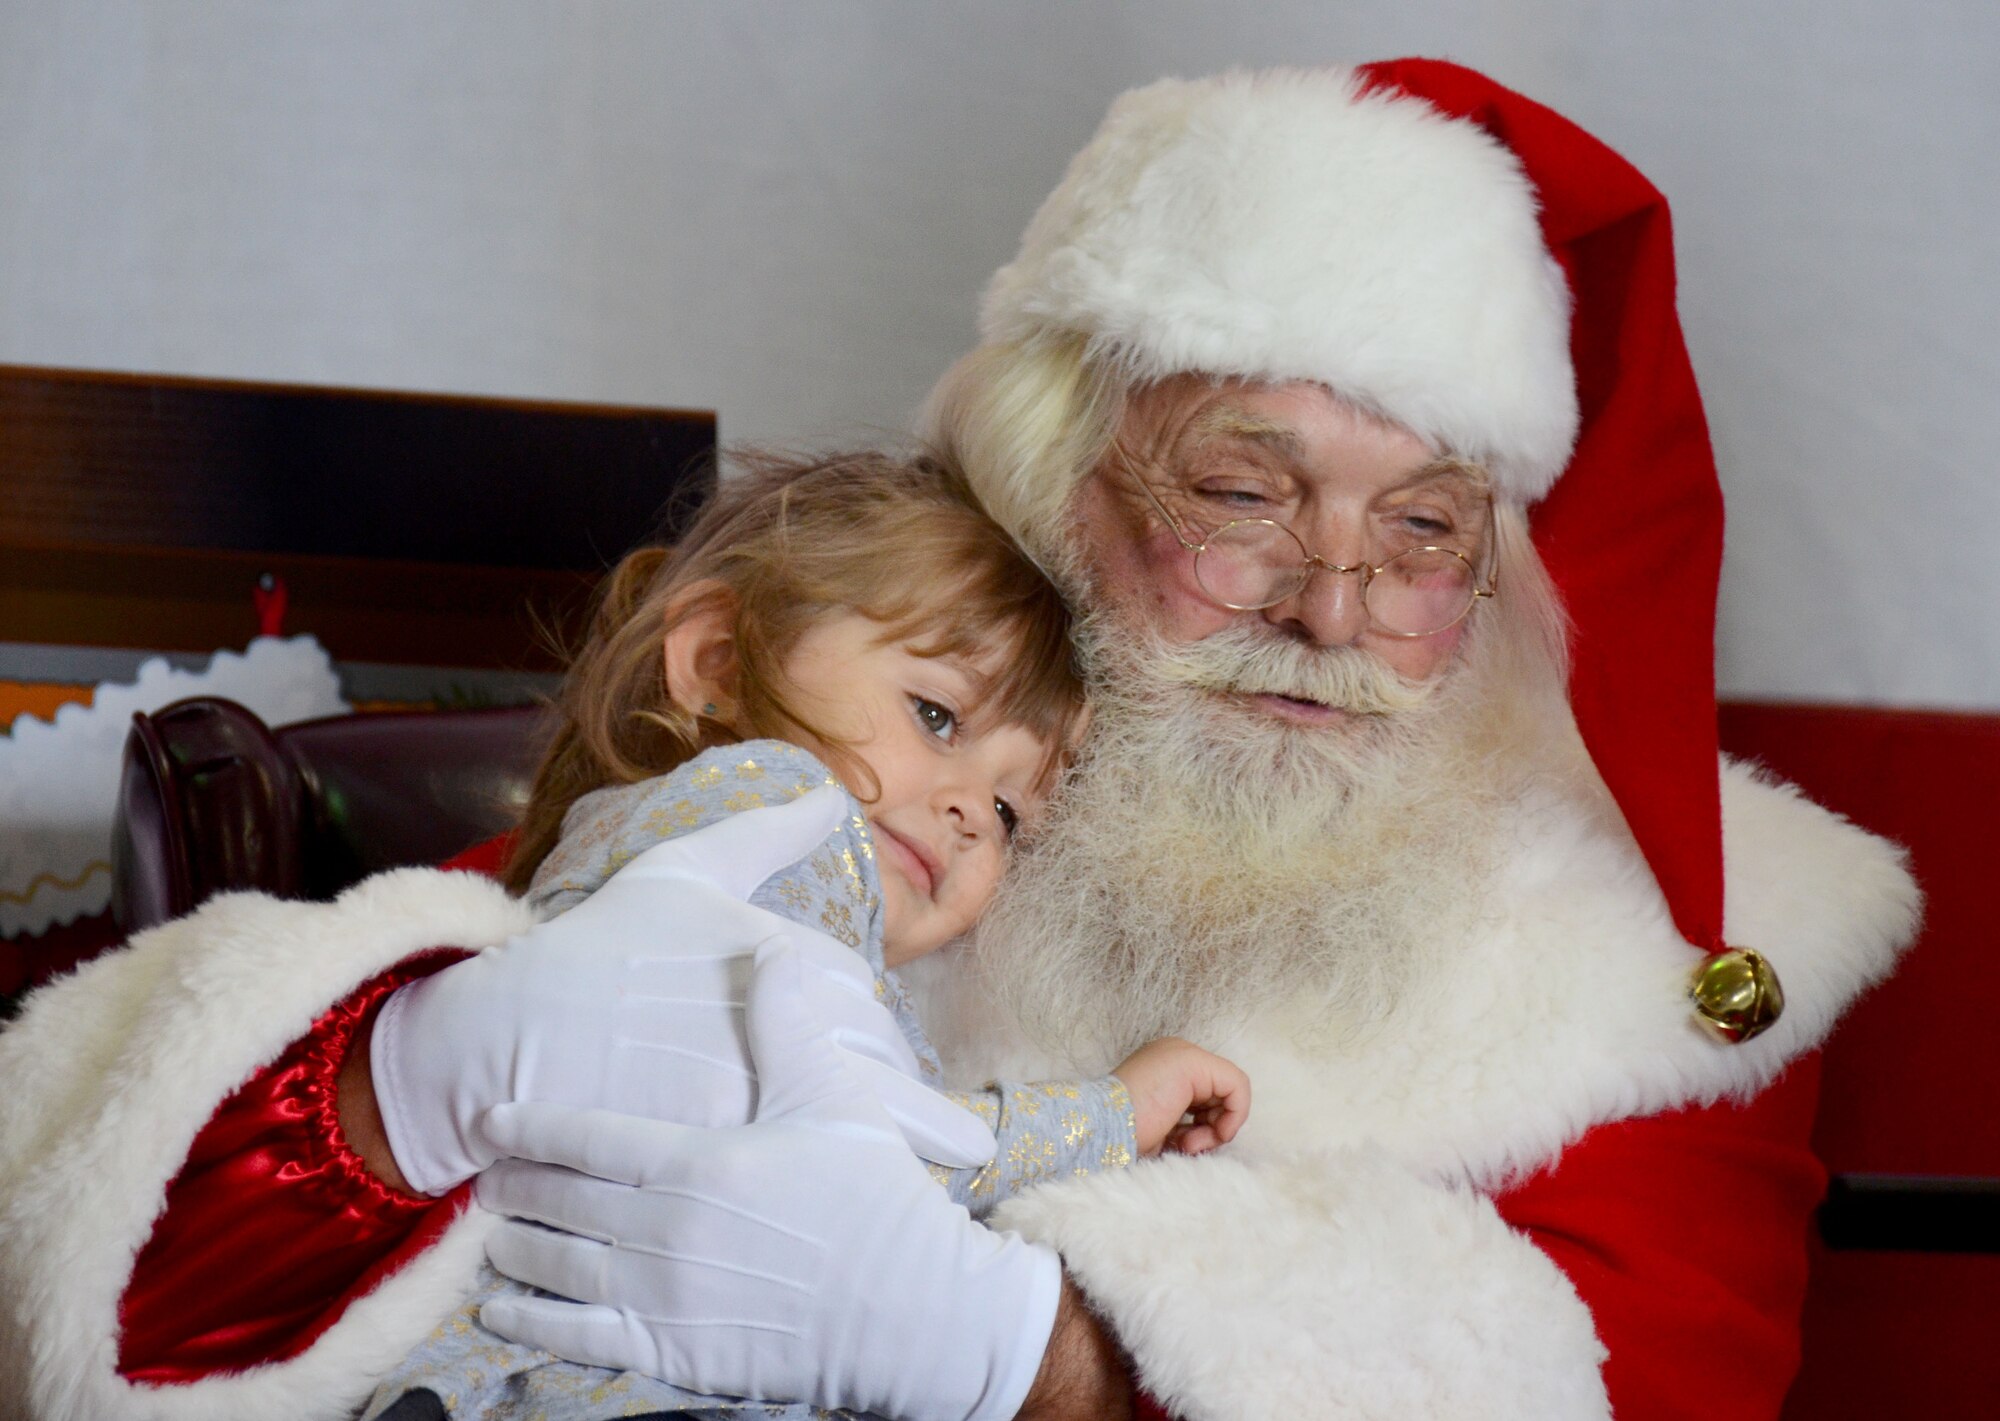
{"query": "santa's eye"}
[(938, 720)]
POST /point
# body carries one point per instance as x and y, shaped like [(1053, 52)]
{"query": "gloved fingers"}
[(708, 1236), (657, 952), (629, 1149), (663, 918), (840, 964), (740, 852), (860, 1026), (549, 1259), (801, 1069), (674, 974), (581, 1332), (796, 1061), (934, 1126)]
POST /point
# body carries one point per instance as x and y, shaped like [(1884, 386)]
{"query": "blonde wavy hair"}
[(785, 543)]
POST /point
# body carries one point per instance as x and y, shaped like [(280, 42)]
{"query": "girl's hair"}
[(784, 543)]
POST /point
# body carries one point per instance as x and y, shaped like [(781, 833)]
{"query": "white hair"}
[(1026, 421)]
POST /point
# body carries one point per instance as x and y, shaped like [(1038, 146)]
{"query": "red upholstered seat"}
[(1911, 1077), (212, 799)]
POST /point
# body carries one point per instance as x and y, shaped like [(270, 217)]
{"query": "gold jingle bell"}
[(1736, 994)]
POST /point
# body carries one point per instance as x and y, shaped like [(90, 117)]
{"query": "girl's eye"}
[(937, 719), (1009, 819)]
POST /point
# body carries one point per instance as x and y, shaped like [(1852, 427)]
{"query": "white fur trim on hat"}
[(1283, 225)]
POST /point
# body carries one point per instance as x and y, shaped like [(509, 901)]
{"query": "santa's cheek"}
[(1415, 658), (1162, 577)]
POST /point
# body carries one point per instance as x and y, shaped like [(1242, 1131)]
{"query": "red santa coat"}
[(1539, 1166)]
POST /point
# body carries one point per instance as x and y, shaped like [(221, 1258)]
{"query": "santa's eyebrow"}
[(1457, 474), (1230, 422)]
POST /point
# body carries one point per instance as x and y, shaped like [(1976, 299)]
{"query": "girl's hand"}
[(1184, 1098)]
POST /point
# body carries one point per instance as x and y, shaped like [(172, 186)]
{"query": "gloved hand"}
[(632, 1001), (807, 1256)]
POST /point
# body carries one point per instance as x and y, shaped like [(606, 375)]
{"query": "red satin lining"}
[(274, 1225)]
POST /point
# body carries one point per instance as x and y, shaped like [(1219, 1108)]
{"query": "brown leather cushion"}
[(211, 799)]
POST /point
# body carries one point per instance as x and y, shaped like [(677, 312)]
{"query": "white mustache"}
[(1239, 661)]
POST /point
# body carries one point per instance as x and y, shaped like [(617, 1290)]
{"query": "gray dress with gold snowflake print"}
[(1045, 1129)]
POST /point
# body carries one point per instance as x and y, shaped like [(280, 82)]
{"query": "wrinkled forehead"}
[(1303, 429)]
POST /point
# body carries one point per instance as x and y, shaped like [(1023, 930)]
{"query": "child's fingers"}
[(1216, 1116), (1233, 1106), (1195, 1139)]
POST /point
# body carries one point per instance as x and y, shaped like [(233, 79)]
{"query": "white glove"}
[(632, 1001), (805, 1257)]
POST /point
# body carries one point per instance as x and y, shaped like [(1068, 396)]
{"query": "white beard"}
[(1206, 860)]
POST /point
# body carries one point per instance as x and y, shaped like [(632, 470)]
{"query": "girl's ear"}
[(700, 648)]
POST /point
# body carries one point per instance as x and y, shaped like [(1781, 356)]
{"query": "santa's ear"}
[(700, 649)]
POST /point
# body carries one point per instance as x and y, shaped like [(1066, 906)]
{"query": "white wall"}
[(784, 211)]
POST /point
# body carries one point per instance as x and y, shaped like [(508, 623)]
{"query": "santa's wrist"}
[(1021, 1329), (351, 1100), (360, 1115)]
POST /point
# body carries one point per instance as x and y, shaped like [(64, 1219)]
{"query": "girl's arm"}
[(1046, 1130)]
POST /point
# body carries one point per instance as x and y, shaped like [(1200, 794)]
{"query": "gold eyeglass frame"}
[(1311, 562)]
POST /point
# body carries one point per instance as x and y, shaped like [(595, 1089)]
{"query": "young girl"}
[(855, 622)]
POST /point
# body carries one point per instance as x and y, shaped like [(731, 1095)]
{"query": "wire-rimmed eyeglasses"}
[(1249, 564)]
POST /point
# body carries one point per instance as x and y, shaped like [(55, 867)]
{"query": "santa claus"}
[(1352, 409)]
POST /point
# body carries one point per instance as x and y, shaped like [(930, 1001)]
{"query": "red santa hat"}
[(1468, 264)]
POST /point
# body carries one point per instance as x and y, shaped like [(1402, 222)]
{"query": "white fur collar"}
[(1568, 1007)]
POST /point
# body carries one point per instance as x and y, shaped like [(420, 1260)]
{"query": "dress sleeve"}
[(1685, 1236), (1046, 1130), (274, 1225)]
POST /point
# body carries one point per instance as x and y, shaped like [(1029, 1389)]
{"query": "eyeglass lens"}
[(1255, 563)]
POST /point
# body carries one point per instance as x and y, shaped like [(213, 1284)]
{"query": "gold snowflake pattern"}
[(978, 1102), (1115, 1156), (707, 777), (742, 800), (749, 770), (855, 888), (1030, 1159), (838, 920), (1076, 1126)]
